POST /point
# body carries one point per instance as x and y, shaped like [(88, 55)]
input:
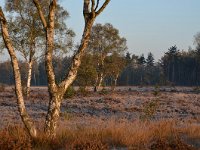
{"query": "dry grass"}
[(104, 135), (192, 130), (14, 138)]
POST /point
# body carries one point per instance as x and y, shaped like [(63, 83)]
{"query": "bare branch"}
[(37, 4), (93, 9), (102, 7), (97, 5), (2, 17), (86, 11), (93, 5)]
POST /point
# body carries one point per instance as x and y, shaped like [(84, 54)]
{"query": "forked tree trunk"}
[(56, 91), (18, 87), (57, 96)]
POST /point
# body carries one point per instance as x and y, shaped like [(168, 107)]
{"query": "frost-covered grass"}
[(133, 119)]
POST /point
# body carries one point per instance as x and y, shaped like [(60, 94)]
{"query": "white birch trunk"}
[(28, 85)]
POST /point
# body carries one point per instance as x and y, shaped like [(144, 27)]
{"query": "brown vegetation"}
[(106, 135)]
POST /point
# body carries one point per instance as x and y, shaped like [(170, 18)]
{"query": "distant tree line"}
[(174, 68)]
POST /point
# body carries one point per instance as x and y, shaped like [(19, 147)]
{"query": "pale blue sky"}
[(148, 25)]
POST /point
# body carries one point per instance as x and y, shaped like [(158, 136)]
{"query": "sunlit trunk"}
[(53, 115), (100, 80), (28, 86)]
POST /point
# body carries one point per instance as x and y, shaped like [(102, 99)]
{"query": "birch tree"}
[(104, 41), (114, 65), (91, 9)]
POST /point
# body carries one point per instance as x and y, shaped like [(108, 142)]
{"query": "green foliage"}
[(87, 71), (71, 92)]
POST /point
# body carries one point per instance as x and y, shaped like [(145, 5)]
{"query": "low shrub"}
[(196, 89), (70, 92), (104, 91), (149, 110), (2, 88), (82, 91)]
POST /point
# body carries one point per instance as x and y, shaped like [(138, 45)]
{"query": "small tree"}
[(150, 60), (114, 65), (56, 91)]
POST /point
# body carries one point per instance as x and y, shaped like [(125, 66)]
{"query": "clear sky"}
[(148, 25)]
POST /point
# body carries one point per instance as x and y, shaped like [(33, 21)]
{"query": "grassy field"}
[(128, 118)]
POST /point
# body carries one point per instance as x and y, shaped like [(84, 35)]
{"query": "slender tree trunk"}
[(100, 74), (100, 80), (115, 82), (17, 76), (95, 86), (28, 85)]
